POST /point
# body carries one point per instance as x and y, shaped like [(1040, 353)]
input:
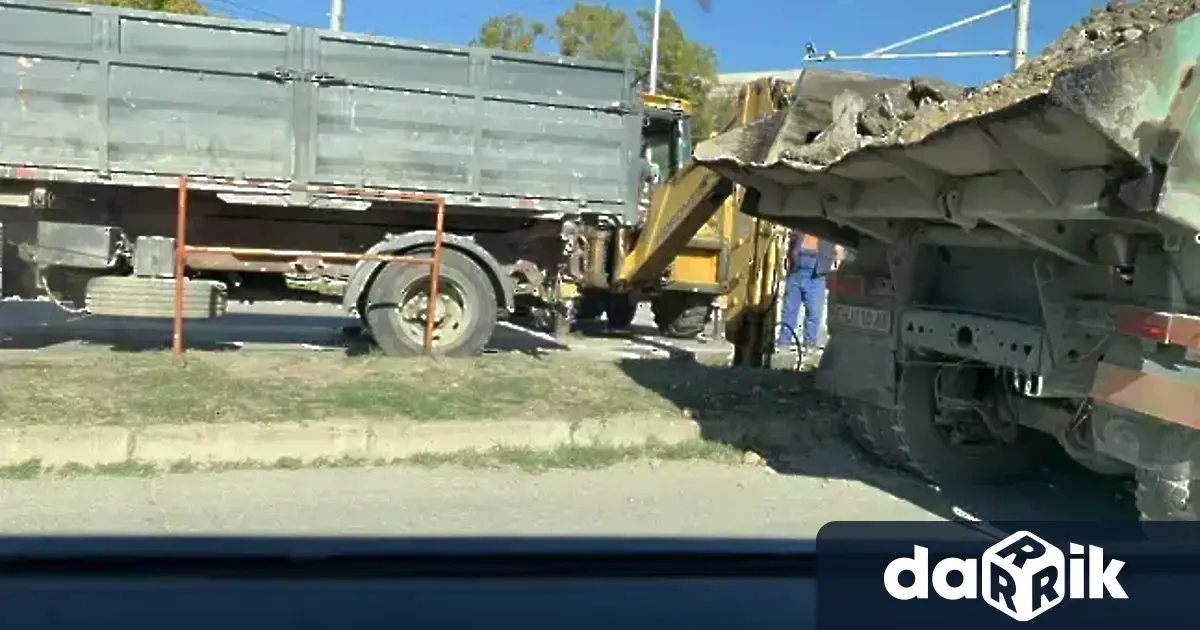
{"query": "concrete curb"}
[(372, 440)]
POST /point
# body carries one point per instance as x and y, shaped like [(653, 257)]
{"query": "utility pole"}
[(1021, 36), (706, 5), (653, 87), (337, 9)]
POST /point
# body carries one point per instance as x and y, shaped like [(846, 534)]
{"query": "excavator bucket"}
[(1090, 130)]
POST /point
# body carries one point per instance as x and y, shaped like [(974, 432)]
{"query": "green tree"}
[(686, 69), (186, 7), (509, 32), (720, 108), (596, 31)]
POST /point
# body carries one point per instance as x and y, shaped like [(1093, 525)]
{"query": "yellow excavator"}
[(698, 249)]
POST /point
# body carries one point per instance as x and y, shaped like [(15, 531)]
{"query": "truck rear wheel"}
[(913, 438), (466, 309), (682, 315)]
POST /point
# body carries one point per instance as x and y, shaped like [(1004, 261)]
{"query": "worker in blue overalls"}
[(809, 260)]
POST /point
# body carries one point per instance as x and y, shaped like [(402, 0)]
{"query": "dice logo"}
[(1024, 576)]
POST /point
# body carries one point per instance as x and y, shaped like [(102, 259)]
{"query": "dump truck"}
[(311, 162), (693, 253), (1027, 266)]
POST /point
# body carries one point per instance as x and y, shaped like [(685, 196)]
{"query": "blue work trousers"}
[(804, 287)]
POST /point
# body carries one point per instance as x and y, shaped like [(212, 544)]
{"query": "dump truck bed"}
[(1084, 142), (106, 95)]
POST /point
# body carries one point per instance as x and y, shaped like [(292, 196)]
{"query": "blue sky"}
[(763, 35)]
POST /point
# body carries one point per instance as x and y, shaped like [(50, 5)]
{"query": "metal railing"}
[(183, 251)]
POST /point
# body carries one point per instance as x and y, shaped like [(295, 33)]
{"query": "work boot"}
[(810, 354), (785, 348)]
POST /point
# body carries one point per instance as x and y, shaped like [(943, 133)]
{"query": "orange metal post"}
[(180, 264), (182, 250), (435, 269)]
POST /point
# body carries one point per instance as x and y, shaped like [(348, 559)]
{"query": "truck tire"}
[(910, 439), (681, 315), (130, 296), (1165, 502), (466, 314), (591, 305), (1164, 496), (864, 424), (620, 309)]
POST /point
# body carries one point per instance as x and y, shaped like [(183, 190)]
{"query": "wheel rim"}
[(966, 435), (959, 428), (451, 316)]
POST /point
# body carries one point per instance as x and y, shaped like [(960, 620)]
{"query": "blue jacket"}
[(825, 256)]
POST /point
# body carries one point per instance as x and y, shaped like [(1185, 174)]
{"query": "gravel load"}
[(907, 114)]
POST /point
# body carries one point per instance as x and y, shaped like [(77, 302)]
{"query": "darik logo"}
[(1023, 576)]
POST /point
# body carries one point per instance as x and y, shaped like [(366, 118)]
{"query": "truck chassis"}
[(1024, 276)]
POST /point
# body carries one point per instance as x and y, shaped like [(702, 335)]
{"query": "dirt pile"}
[(899, 116)]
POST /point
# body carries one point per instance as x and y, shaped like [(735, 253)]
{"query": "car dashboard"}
[(229, 583)]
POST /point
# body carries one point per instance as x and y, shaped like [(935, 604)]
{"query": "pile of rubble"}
[(908, 114)]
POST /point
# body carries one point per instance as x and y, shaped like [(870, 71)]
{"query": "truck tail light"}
[(838, 283), (1144, 324), (1172, 328)]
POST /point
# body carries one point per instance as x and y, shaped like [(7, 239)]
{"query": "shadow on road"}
[(648, 342), (797, 431), (37, 325), (600, 330)]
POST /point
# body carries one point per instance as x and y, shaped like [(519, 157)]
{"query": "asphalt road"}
[(293, 326), (694, 499), (664, 499)]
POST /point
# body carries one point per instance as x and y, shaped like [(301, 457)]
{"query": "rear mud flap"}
[(858, 367)]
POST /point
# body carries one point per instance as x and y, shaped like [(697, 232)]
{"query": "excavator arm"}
[(680, 208)]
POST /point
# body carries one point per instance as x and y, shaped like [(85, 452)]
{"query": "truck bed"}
[(106, 95)]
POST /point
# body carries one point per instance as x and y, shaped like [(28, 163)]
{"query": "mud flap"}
[(859, 368)]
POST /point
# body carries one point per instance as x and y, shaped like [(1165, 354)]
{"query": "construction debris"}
[(905, 115), (889, 110), (825, 96)]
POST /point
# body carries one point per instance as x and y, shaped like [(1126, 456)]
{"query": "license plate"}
[(873, 319)]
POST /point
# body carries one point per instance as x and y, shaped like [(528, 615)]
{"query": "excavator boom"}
[(680, 208)]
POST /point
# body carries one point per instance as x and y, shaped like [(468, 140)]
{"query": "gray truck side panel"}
[(103, 94)]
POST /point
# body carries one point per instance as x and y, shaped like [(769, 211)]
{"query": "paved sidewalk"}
[(364, 441)]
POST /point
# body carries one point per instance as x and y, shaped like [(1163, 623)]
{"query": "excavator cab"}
[(667, 134)]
